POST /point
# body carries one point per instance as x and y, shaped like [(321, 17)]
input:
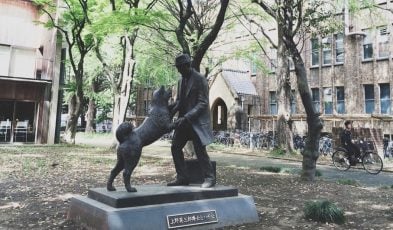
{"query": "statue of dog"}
[(131, 141)]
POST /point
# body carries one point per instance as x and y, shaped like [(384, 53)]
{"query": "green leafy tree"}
[(128, 16), (73, 24)]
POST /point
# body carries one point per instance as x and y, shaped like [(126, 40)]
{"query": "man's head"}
[(183, 64), (348, 124)]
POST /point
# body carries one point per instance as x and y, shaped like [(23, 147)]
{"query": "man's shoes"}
[(208, 183), (178, 182)]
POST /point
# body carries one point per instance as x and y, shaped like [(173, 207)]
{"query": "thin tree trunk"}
[(91, 109), (74, 107), (311, 153), (284, 131), (90, 116), (122, 94)]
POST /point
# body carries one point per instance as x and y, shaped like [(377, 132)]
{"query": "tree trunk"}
[(122, 94), (74, 109), (90, 116), (91, 109), (284, 131), (311, 153)]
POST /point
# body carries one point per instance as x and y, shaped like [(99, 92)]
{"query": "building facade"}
[(350, 74), (29, 74)]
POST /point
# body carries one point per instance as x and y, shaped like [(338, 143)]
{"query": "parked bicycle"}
[(370, 160), (325, 146)]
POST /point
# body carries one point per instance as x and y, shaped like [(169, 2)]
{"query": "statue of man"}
[(193, 122)]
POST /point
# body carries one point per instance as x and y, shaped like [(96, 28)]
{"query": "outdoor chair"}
[(21, 129), (5, 128)]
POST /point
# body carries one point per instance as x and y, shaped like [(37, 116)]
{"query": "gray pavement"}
[(329, 172), (161, 149)]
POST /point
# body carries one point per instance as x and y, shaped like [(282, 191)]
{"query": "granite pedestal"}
[(161, 207)]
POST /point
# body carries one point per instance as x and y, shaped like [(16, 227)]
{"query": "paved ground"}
[(162, 150)]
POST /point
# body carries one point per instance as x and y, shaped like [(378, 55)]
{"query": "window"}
[(254, 66), (340, 96), (273, 60), (293, 102), (314, 52), (383, 42), (22, 63), (219, 108), (328, 100), (249, 109), (339, 55), (369, 99), (384, 90), (5, 54), (315, 99), (273, 102), (327, 51), (368, 45)]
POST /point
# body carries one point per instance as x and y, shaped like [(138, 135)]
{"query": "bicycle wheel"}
[(340, 160), (372, 163)]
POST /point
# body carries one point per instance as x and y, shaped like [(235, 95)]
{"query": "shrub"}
[(324, 211), (272, 169), (277, 152)]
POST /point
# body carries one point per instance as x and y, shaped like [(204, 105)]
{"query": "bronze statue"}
[(131, 141), (193, 122)]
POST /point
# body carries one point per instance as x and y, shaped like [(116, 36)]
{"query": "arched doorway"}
[(220, 115)]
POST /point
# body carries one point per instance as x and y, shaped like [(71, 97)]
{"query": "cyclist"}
[(346, 141)]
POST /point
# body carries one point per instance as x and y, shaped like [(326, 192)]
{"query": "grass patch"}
[(323, 211), (348, 182), (272, 169), (216, 147), (386, 187), (278, 152)]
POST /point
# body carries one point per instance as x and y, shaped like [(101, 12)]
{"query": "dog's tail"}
[(123, 131)]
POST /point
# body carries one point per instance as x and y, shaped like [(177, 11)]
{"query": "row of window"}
[(274, 106), (333, 46), (369, 100), (20, 62)]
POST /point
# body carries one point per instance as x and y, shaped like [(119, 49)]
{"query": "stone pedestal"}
[(161, 207)]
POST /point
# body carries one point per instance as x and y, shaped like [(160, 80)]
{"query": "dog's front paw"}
[(131, 189), (110, 188)]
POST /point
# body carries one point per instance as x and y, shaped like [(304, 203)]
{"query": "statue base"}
[(162, 207)]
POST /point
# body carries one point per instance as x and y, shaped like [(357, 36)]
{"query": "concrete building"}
[(29, 74)]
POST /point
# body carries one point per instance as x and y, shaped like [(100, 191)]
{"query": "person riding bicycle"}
[(346, 141)]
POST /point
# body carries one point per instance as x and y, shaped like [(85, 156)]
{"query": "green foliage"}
[(347, 182), (324, 211), (278, 152), (123, 21), (153, 72)]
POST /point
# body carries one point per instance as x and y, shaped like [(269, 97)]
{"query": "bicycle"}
[(370, 160)]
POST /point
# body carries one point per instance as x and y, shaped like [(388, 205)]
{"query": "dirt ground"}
[(36, 183)]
